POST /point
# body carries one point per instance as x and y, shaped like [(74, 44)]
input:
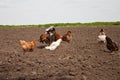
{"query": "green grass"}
[(63, 25)]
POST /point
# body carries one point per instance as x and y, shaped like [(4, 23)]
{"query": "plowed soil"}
[(81, 59)]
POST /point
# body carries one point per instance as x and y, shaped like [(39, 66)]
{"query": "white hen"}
[(102, 36), (54, 45)]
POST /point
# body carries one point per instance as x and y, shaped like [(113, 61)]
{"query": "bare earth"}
[(81, 59)]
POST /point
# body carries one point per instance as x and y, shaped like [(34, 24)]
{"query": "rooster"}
[(67, 37), (102, 36), (112, 46), (27, 46)]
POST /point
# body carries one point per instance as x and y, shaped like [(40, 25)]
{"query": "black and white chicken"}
[(51, 30), (112, 46)]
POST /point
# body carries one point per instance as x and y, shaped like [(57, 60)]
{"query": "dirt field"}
[(81, 59)]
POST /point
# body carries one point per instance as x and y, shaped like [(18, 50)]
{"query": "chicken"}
[(112, 46), (51, 30), (67, 37), (44, 38), (27, 46), (48, 39), (102, 36), (57, 36), (54, 44)]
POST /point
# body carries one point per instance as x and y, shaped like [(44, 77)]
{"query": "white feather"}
[(102, 38), (54, 45), (48, 29)]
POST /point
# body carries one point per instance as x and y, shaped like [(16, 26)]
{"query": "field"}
[(81, 59)]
